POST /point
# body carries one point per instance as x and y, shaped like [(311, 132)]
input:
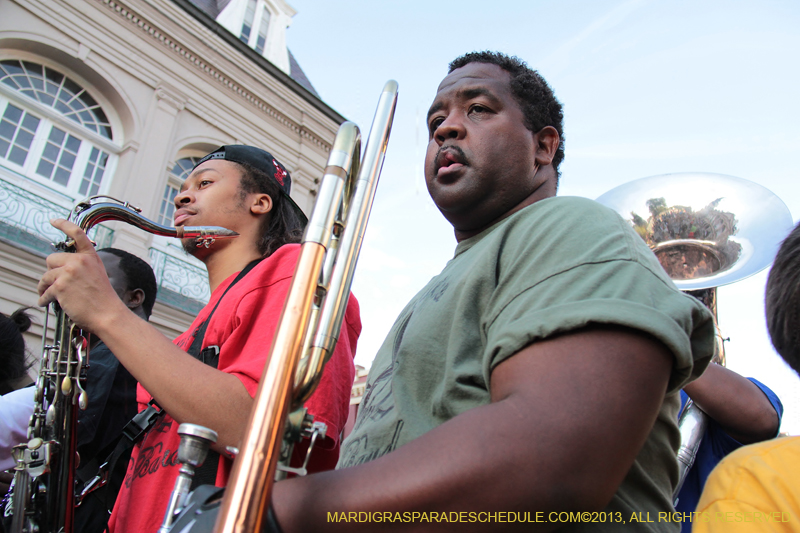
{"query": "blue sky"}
[(648, 87)]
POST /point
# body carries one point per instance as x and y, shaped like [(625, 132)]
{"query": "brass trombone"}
[(312, 314)]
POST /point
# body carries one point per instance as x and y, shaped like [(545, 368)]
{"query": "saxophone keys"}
[(80, 343), (83, 400), (66, 386), (50, 417), (68, 245)]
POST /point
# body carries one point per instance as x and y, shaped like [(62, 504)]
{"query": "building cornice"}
[(192, 58)]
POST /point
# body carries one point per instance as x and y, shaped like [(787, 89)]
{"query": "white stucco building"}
[(116, 97)]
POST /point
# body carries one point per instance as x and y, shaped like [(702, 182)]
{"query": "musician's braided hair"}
[(783, 300), (13, 364), (282, 226), (531, 91), (138, 275)]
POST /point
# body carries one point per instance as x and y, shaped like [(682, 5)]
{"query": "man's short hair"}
[(534, 96), (783, 300), (283, 225), (138, 275)]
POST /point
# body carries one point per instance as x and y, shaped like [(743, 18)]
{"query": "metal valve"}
[(192, 452)]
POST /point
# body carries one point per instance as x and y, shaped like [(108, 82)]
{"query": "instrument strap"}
[(105, 474), (206, 474)]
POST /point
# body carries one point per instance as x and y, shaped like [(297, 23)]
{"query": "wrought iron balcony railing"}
[(179, 280), (25, 222), (26, 217)]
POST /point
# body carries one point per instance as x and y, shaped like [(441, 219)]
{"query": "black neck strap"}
[(206, 474), (200, 333)]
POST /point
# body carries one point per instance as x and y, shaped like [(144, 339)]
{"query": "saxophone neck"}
[(88, 213)]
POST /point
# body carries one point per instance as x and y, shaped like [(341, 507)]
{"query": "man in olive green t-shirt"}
[(538, 372)]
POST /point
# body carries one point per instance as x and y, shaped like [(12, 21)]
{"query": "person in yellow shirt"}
[(757, 488)]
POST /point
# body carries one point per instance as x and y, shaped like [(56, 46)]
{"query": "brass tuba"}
[(43, 497), (707, 230)]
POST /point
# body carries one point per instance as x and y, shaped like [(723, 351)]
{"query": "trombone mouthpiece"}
[(189, 232)]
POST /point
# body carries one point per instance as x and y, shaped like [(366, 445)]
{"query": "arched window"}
[(52, 130), (177, 176), (180, 276)]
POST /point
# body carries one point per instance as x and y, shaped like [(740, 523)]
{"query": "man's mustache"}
[(460, 156)]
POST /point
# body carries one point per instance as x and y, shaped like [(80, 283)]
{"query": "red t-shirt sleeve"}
[(244, 351), (330, 402), (248, 338)]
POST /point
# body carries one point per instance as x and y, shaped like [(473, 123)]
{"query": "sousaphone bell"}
[(707, 230)]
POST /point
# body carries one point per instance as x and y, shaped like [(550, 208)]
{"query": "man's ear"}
[(261, 204), (547, 140), (135, 298)]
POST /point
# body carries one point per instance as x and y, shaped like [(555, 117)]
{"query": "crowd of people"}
[(543, 370)]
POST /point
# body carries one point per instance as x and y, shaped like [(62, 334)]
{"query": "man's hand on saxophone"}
[(78, 281)]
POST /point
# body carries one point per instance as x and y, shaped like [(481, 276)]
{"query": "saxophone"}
[(43, 494)]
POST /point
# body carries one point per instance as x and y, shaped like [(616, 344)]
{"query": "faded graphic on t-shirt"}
[(378, 401)]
